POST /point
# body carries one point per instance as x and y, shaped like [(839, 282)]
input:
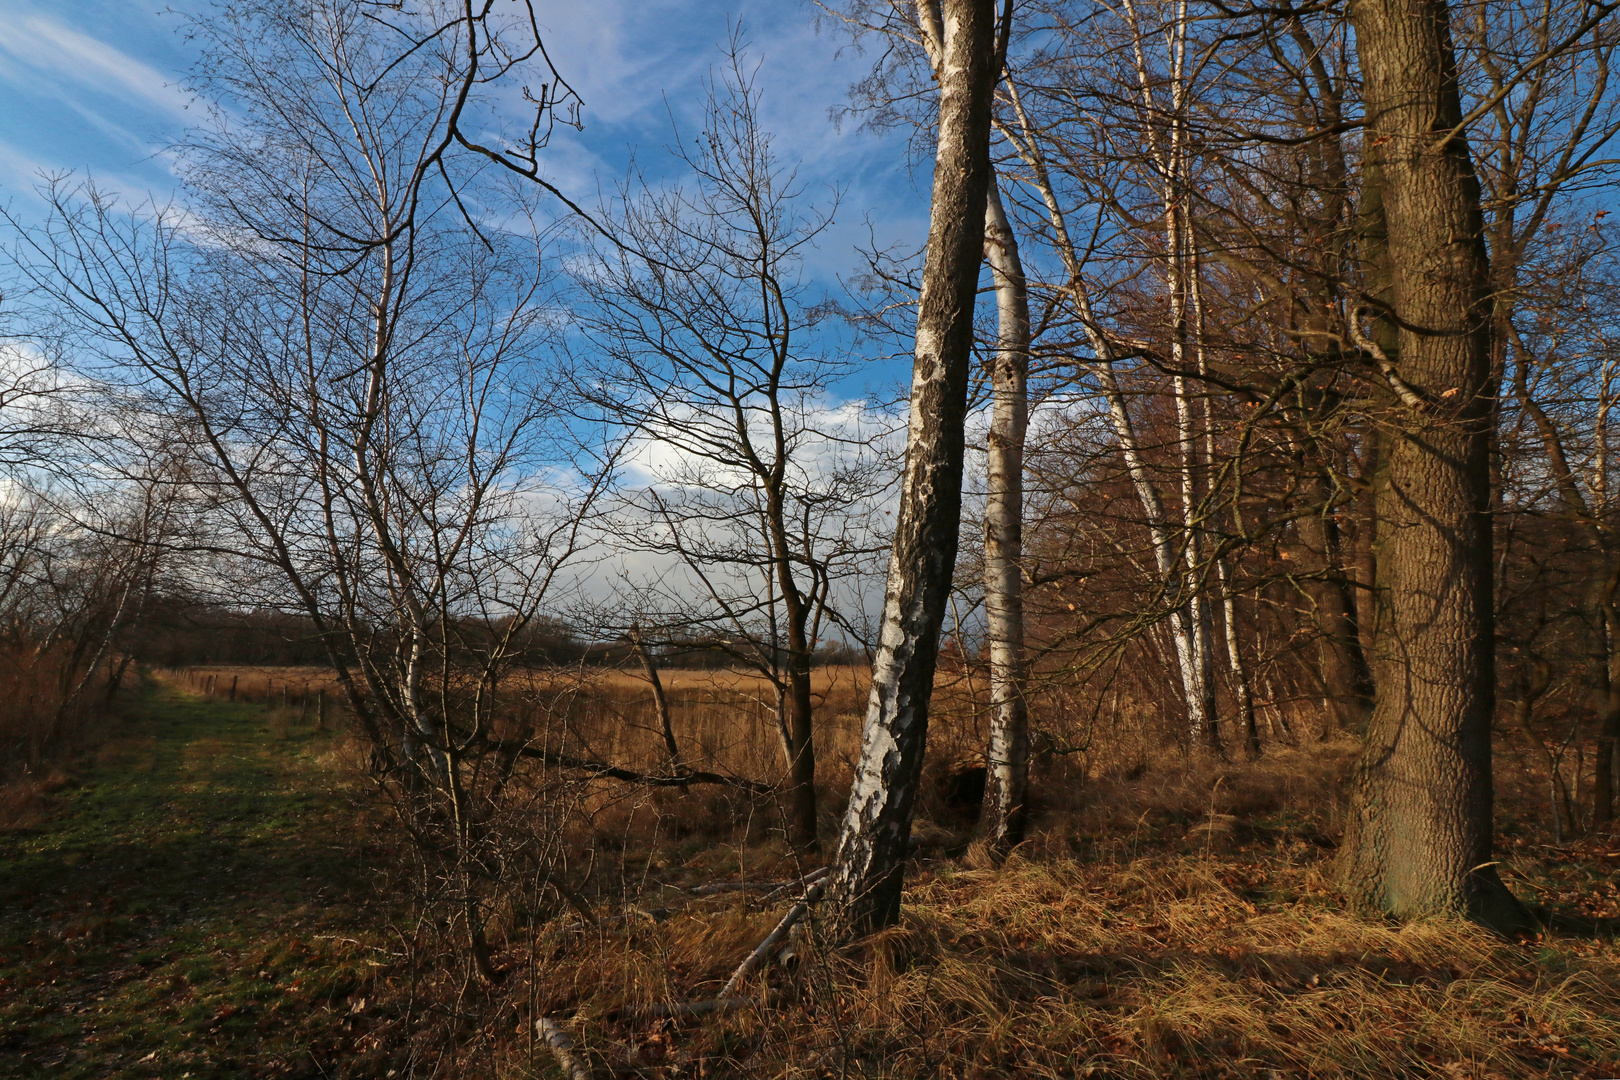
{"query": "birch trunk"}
[(866, 880), (1006, 790), (1188, 620)]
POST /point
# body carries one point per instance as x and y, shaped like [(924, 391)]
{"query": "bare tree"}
[(1548, 115), (358, 374), (715, 357)]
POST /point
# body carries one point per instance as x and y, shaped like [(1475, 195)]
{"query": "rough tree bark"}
[(1420, 833), (866, 880), (1006, 789)]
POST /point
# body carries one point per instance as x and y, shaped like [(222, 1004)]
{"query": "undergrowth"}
[(1209, 964)]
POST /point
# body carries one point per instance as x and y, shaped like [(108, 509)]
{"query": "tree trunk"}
[(866, 880), (1345, 677), (1177, 584), (802, 832), (666, 727), (1006, 789), (1605, 780), (1242, 692), (799, 721), (1533, 683), (1420, 833)]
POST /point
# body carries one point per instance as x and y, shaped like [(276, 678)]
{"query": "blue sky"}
[(93, 86)]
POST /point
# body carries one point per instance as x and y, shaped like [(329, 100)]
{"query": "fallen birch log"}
[(775, 887), (727, 999), (562, 1048), (805, 882), (758, 957)]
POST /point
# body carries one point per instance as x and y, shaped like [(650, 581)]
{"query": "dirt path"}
[(190, 909)]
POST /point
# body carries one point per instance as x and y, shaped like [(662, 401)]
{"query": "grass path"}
[(190, 909)]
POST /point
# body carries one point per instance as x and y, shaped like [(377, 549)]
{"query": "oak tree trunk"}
[(866, 880), (1420, 835)]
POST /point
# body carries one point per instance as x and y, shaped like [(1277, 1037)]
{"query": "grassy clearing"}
[(187, 905)]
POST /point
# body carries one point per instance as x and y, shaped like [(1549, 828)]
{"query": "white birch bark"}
[(1163, 537), (1006, 792), (866, 879)]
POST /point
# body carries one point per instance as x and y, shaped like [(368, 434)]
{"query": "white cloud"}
[(78, 60)]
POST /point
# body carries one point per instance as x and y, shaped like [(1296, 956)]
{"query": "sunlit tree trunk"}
[(1006, 791), (1165, 125), (1420, 836), (1161, 532), (866, 880)]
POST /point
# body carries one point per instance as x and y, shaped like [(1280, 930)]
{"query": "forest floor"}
[(203, 898), (188, 905)]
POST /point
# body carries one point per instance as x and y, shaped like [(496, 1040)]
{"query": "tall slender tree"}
[(866, 879), (1006, 792)]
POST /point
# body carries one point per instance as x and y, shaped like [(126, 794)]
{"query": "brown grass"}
[(1164, 965), (26, 803), (41, 719), (264, 685), (1172, 916)]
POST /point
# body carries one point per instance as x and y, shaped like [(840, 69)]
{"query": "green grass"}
[(190, 908)]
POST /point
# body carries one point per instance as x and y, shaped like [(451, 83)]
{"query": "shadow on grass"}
[(190, 907)]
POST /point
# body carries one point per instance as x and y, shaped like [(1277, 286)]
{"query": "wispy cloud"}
[(77, 60)]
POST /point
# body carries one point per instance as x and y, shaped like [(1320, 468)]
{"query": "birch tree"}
[(1172, 517), (916, 32), (1006, 794), (709, 348), (866, 880)]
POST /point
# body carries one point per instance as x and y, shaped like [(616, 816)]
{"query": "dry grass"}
[(1171, 917), (24, 804), (42, 720), (263, 685), (1166, 965)]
